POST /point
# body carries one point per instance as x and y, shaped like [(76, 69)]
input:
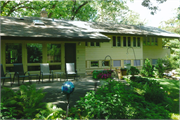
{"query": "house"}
[(35, 40)]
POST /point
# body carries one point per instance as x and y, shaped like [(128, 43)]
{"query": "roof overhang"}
[(142, 35), (53, 39)]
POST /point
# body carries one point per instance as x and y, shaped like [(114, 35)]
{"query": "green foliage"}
[(51, 112), (153, 92), (149, 5), (147, 69), (23, 104), (115, 11), (171, 62), (116, 101), (133, 71), (159, 69)]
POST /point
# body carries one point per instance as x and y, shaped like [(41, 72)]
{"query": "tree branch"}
[(73, 9), (20, 8), (72, 18), (14, 8)]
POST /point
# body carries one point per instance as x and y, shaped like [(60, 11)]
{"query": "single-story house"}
[(36, 40)]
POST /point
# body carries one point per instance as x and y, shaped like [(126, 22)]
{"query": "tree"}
[(57, 9), (149, 5), (84, 10), (173, 25)]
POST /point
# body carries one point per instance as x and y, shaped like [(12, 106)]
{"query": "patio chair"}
[(45, 71), (3, 76), (37, 76), (19, 72), (70, 70)]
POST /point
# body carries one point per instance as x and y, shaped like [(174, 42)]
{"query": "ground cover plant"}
[(117, 101), (172, 87), (160, 91), (26, 103)]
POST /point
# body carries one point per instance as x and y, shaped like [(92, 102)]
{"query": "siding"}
[(155, 52), (116, 53)]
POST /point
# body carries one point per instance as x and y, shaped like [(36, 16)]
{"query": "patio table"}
[(59, 75)]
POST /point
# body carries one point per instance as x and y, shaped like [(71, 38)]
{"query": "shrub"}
[(140, 80), (116, 101), (24, 103), (147, 69), (171, 62), (133, 71), (159, 69)]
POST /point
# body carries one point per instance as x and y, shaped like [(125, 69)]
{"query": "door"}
[(70, 53)]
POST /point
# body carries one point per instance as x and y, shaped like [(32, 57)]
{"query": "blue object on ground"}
[(67, 87)]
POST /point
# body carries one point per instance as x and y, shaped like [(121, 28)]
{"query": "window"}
[(134, 41), (114, 40), (9, 69), (95, 44), (152, 41), (156, 42), (144, 41), (86, 43), (138, 42), (92, 43), (53, 53), (55, 67), (148, 41), (154, 61), (33, 68), (38, 22), (105, 63), (124, 41), (94, 64), (118, 41), (137, 63), (34, 53), (129, 41), (13, 53), (126, 62), (117, 63)]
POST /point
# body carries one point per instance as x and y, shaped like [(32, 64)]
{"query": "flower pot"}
[(124, 72)]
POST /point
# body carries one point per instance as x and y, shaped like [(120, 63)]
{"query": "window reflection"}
[(34, 53), (105, 63), (13, 53), (53, 53), (94, 64)]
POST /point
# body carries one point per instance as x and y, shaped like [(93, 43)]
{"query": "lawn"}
[(172, 87)]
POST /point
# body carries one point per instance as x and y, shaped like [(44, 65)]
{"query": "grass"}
[(172, 87)]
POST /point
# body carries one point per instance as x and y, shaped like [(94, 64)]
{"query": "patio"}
[(53, 89)]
